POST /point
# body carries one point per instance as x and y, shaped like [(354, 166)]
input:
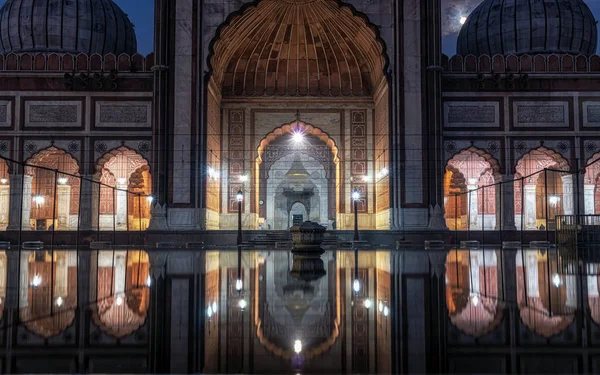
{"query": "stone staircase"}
[(280, 239)]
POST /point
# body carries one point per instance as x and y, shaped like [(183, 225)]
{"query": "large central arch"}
[(315, 60)]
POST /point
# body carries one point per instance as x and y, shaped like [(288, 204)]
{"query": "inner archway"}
[(469, 190), (51, 191), (541, 196), (317, 62), (125, 190)]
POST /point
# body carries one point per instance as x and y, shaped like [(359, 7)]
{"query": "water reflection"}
[(301, 314), (48, 291)]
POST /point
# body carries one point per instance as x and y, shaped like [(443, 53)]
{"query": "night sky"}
[(141, 14)]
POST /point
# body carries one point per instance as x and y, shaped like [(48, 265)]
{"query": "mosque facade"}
[(294, 105)]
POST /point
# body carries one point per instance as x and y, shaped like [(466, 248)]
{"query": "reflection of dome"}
[(529, 26), (75, 26)]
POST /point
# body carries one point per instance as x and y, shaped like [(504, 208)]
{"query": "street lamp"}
[(240, 198), (355, 198)]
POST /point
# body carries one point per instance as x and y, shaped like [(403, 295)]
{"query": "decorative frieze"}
[(472, 114), (359, 161), (236, 156)]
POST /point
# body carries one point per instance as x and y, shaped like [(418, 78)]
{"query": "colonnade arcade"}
[(478, 196), (51, 190), (297, 118)]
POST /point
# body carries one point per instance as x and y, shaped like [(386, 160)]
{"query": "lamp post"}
[(240, 198), (355, 198)]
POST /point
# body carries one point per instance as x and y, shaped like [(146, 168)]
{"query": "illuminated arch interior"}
[(312, 61), (51, 199), (125, 190), (552, 189), (592, 186), (470, 201)]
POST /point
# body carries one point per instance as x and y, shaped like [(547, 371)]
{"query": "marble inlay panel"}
[(541, 114), (471, 114), (40, 113), (591, 114), (123, 114), (5, 113)]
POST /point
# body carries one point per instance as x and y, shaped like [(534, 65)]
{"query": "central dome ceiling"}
[(297, 48)]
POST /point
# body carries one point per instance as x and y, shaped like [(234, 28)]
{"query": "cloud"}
[(452, 11)]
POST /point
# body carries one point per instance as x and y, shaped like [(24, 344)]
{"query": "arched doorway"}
[(537, 191), (469, 191), (312, 61), (591, 186), (51, 191), (296, 168), (125, 190)]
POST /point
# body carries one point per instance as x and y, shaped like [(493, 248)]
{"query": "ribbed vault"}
[(298, 48)]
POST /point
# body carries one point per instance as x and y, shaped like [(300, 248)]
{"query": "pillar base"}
[(436, 218)]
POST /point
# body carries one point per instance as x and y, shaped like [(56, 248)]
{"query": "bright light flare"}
[(36, 281), (149, 281), (297, 346), (39, 200), (355, 195), (242, 304), (62, 180), (556, 280), (553, 200), (475, 300), (356, 286), (238, 285), (59, 301), (368, 304), (386, 311), (297, 137), (462, 20), (119, 301)]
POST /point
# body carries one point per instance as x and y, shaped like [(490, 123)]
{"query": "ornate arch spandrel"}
[(304, 128)]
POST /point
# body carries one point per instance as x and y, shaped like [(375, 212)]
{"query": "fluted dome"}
[(529, 27), (73, 26)]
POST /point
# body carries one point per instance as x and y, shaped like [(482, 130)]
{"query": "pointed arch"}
[(301, 127)]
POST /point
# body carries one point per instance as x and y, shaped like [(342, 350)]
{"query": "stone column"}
[(531, 274), (63, 206), (529, 207), (89, 196), (20, 204), (568, 202), (589, 199), (507, 189), (120, 196), (4, 204), (473, 207), (439, 314)]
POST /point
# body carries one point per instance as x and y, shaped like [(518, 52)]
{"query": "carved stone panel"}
[(541, 114), (591, 113), (472, 114), (53, 113), (131, 114), (5, 113)]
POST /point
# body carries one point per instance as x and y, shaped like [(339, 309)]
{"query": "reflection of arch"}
[(346, 54), (122, 291), (472, 291), (593, 282), (47, 309), (264, 319), (547, 300), (305, 129)]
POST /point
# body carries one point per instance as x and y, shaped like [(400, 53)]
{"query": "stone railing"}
[(499, 64), (76, 63)]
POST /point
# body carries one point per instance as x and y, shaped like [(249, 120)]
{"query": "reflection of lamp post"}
[(355, 198), (356, 283), (240, 198)]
